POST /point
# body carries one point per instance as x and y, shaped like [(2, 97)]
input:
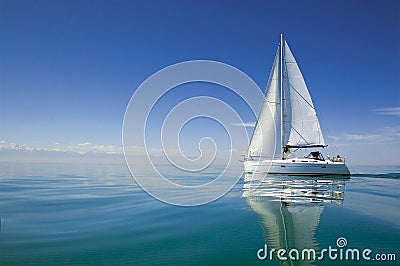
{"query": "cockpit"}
[(316, 155)]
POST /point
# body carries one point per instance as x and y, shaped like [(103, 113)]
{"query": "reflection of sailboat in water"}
[(289, 210)]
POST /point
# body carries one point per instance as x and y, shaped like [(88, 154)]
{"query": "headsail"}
[(266, 139), (300, 123)]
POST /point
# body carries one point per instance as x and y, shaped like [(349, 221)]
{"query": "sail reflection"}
[(289, 208)]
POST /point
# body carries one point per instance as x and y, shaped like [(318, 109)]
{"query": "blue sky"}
[(69, 68)]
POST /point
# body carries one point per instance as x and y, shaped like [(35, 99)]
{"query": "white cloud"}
[(85, 144), (389, 111), (385, 135), (81, 148), (377, 147), (249, 124), (135, 150), (361, 137)]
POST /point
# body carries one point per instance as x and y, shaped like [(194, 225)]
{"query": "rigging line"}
[(301, 96), (300, 135), (302, 118), (301, 114)]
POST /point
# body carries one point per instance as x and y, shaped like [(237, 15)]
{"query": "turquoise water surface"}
[(58, 213)]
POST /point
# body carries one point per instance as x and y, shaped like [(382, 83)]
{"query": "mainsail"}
[(266, 139), (300, 123)]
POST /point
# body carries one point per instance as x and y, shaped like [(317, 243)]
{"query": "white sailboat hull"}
[(298, 166)]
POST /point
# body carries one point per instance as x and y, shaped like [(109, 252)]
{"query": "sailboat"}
[(288, 122)]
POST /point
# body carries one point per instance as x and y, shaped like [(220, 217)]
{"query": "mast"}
[(281, 90)]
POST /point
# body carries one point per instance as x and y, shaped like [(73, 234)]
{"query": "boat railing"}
[(247, 157)]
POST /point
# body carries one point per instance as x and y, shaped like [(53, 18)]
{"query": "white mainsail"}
[(300, 123), (266, 139)]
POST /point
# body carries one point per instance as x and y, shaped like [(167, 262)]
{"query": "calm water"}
[(96, 214)]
